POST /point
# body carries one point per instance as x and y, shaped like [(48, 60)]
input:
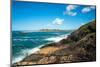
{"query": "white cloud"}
[(92, 7), (71, 7), (58, 21), (88, 9), (82, 24), (69, 10), (71, 13)]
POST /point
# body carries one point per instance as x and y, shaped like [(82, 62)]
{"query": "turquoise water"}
[(22, 42)]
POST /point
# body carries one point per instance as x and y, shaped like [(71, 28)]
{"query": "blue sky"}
[(37, 15)]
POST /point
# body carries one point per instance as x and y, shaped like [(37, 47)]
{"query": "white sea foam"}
[(57, 39), (20, 39), (25, 53), (17, 59), (25, 39), (30, 51)]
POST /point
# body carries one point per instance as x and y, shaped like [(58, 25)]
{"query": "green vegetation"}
[(80, 46)]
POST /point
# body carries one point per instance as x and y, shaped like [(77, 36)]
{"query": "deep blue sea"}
[(24, 43)]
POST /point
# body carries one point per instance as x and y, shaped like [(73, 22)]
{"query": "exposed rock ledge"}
[(80, 46)]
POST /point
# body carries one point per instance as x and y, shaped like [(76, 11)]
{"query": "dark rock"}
[(82, 48)]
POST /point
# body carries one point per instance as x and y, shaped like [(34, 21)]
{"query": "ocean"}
[(25, 43)]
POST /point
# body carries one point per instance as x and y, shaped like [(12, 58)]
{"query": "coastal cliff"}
[(79, 46)]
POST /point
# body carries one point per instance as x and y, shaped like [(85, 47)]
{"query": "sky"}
[(37, 15)]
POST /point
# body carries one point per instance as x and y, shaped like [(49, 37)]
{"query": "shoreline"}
[(28, 52), (79, 46), (37, 49)]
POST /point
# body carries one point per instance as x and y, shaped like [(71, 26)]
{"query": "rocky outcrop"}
[(81, 32), (80, 46), (82, 43)]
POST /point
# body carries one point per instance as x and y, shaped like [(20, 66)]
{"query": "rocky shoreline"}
[(79, 46)]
